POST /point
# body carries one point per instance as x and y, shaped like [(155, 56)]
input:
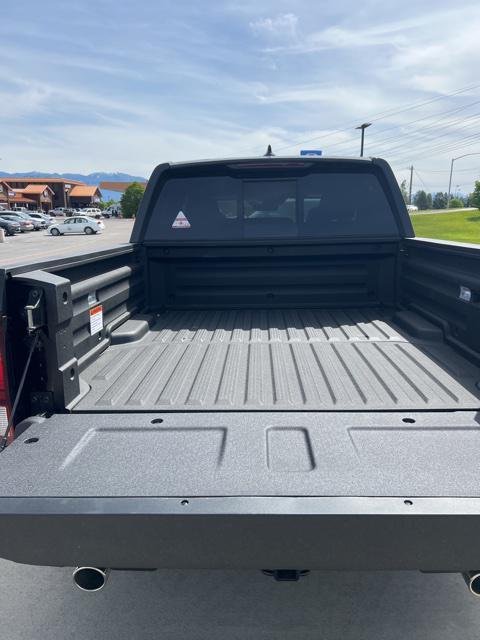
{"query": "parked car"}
[(78, 224), (112, 211), (25, 225), (37, 223), (57, 211), (412, 207), (9, 226), (36, 215), (108, 213), (93, 212)]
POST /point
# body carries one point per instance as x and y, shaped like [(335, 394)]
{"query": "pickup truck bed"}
[(313, 359), (274, 373)]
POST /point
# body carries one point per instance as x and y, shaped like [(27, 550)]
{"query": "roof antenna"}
[(269, 153)]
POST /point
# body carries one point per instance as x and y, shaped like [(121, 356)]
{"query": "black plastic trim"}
[(430, 534)]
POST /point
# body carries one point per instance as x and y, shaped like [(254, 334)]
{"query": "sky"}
[(110, 85)]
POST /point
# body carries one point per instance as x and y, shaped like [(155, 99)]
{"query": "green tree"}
[(104, 204), (421, 200), (455, 203), (429, 201), (475, 196), (131, 199), (403, 189), (440, 200)]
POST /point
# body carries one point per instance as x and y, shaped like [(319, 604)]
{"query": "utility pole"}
[(450, 182), (410, 188), (465, 155), (363, 127)]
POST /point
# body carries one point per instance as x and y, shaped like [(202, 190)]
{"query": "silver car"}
[(37, 224)]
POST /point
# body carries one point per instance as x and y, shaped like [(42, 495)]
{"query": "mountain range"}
[(90, 178)]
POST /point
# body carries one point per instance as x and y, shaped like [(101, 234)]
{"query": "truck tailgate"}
[(297, 490)]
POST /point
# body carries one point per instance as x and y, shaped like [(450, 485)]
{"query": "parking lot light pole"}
[(363, 127), (465, 155)]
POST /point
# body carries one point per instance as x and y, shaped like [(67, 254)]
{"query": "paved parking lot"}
[(38, 245), (229, 605)]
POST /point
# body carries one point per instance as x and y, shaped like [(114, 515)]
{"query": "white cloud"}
[(136, 150), (284, 25), (436, 64), (184, 81)]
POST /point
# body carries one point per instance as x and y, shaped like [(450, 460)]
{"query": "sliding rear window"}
[(316, 205)]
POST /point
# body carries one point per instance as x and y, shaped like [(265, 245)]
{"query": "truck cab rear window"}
[(317, 205)]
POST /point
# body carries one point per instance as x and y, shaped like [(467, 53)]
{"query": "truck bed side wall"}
[(70, 288), (442, 281)]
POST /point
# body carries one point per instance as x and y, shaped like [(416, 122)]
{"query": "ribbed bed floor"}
[(355, 359)]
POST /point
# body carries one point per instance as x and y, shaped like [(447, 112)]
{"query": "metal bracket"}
[(35, 310)]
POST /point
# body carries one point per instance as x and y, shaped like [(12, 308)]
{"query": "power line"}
[(421, 179), (446, 146), (442, 149), (429, 130), (428, 153), (427, 136), (382, 116), (472, 169), (373, 139), (466, 125)]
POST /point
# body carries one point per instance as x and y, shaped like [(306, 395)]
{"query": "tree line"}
[(424, 200)]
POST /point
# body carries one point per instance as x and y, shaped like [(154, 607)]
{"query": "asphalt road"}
[(220, 605), (39, 245)]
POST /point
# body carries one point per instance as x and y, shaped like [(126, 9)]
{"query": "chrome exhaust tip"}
[(90, 578), (472, 580)]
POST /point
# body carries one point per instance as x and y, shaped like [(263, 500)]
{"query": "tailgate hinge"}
[(35, 310)]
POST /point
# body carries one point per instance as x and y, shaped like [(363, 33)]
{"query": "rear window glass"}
[(316, 205)]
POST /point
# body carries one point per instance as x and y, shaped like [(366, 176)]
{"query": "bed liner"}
[(293, 359)]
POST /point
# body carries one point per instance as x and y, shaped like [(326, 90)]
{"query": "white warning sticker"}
[(181, 221), (96, 319)]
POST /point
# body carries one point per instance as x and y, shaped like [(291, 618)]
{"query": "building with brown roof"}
[(40, 195), (83, 195), (6, 192), (30, 192)]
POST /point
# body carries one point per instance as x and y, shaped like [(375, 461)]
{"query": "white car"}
[(36, 215), (411, 207), (113, 210), (93, 212), (77, 224)]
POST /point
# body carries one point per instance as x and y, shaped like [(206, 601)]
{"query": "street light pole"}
[(410, 187), (451, 173), (363, 127), (450, 182)]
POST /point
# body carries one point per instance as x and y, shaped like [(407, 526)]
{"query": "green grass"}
[(463, 226)]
